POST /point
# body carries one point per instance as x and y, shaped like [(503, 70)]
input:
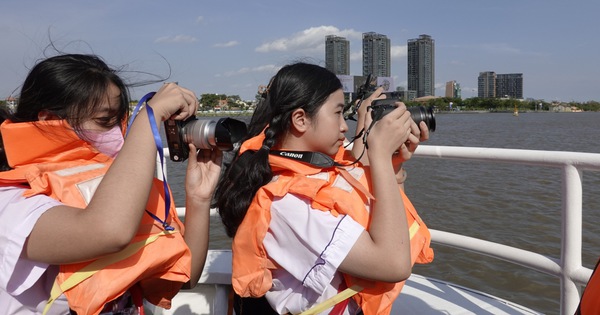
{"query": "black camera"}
[(204, 133), (380, 108)]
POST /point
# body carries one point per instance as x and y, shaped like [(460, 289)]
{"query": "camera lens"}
[(422, 113), (200, 132), (214, 133)]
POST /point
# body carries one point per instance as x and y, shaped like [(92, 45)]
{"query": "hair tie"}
[(263, 91), (266, 147)]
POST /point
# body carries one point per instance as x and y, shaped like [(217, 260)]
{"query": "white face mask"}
[(107, 142)]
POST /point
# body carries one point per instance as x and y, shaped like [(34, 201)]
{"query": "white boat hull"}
[(420, 295)]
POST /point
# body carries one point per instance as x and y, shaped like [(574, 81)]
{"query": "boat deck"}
[(421, 295), (427, 296)]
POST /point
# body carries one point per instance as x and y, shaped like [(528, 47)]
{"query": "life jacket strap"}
[(343, 296), (338, 298), (89, 270)]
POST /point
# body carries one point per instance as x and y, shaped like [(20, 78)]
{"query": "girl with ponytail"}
[(303, 231)]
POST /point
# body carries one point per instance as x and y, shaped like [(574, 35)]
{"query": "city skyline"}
[(376, 55), (233, 51), (421, 65), (337, 54)]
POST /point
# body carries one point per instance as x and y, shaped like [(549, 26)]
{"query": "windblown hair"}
[(70, 87), (298, 85)]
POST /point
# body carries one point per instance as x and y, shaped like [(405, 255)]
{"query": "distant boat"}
[(516, 112)]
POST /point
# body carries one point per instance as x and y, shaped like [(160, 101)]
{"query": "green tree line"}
[(491, 104), (210, 101)]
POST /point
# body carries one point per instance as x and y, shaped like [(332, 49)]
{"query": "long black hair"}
[(299, 85), (70, 87)]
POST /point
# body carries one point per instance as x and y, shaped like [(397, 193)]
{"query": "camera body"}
[(204, 133), (382, 107)]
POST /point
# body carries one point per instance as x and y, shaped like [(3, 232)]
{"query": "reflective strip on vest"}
[(349, 292), (78, 169), (95, 266)]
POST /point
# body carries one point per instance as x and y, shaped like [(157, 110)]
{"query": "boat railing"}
[(568, 267)]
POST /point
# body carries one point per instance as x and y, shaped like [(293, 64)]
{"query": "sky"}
[(232, 47)]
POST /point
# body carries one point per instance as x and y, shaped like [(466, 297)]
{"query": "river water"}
[(512, 204)]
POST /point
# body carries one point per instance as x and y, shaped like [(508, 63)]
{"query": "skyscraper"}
[(421, 65), (492, 85), (509, 85), (337, 54), (452, 89), (486, 84), (376, 55)]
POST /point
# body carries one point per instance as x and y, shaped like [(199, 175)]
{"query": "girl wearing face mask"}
[(85, 228)]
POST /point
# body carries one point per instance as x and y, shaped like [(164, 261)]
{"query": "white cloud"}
[(398, 51), (227, 44), (176, 39), (264, 68), (308, 40), (356, 56), (200, 19)]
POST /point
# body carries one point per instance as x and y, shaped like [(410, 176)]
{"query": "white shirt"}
[(24, 284), (309, 245)]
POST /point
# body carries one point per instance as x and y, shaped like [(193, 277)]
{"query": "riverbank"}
[(224, 113), (249, 113)]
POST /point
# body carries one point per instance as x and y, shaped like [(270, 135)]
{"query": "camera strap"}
[(314, 158), (317, 159), (159, 149)]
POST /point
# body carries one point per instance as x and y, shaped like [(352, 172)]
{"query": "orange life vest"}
[(251, 267), (52, 160), (590, 304)]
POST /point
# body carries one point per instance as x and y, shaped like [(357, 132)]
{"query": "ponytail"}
[(299, 85), (244, 177)]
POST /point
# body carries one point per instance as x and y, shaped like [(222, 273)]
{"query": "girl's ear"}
[(300, 121), (46, 115)]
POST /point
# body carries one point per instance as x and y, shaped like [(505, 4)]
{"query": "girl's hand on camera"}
[(376, 95), (203, 170), (361, 122), (173, 101), (405, 151), (389, 133)]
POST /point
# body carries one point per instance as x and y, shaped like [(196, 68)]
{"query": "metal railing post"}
[(571, 226)]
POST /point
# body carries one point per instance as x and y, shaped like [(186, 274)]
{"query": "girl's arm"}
[(204, 168), (383, 252), (406, 150), (66, 234)]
